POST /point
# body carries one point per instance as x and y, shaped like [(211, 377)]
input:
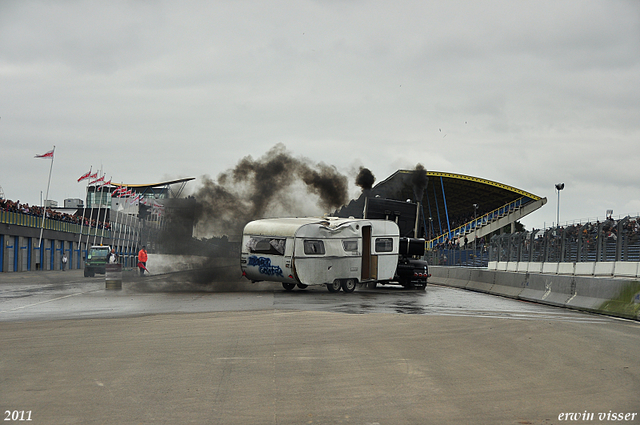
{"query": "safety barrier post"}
[(113, 276)]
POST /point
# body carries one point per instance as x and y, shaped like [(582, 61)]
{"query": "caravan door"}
[(369, 262)]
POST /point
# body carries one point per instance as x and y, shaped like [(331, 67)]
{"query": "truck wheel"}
[(349, 285), (86, 273), (288, 286), (334, 287), (302, 286)]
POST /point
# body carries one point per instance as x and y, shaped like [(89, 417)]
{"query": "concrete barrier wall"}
[(584, 269), (599, 268), (607, 295), (626, 269)]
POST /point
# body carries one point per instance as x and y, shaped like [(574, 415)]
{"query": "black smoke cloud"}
[(419, 181), (253, 188), (365, 178)]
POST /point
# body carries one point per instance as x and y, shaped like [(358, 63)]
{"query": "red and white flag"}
[(118, 191), (106, 183), (121, 191), (134, 200), (101, 179), (125, 192), (85, 176), (45, 155)]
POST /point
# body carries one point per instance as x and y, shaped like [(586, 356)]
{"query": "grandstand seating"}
[(489, 222), (559, 250)]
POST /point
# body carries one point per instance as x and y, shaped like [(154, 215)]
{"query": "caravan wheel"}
[(334, 287), (288, 286), (302, 286), (349, 285)]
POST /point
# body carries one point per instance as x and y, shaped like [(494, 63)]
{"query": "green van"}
[(97, 257)]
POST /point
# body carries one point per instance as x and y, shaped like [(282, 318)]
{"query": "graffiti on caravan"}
[(264, 265)]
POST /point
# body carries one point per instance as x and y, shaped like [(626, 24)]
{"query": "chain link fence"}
[(609, 240)]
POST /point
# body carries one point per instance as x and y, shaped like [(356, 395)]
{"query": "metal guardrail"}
[(481, 221), (606, 241), (27, 220), (591, 242), (478, 257)]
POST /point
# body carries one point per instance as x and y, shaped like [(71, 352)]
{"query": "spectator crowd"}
[(51, 214)]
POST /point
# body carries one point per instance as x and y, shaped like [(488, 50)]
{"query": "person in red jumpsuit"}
[(142, 260)]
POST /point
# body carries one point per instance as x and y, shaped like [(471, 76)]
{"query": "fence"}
[(606, 241), (27, 220), (609, 240)]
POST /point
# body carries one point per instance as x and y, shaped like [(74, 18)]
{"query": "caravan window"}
[(266, 245), (384, 244), (313, 247), (350, 245)]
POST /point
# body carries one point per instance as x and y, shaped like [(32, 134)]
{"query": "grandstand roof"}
[(449, 195), (153, 190), (150, 185), (462, 191), (458, 190)]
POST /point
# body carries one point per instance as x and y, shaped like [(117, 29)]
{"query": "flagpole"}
[(95, 234), (91, 213), (119, 244), (106, 209), (128, 232), (84, 210), (44, 209)]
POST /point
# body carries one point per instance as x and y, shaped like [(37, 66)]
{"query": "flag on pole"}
[(125, 193), (135, 199), (106, 183), (85, 176), (117, 191), (46, 155), (101, 179)]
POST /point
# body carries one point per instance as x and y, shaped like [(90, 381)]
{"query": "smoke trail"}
[(419, 181), (365, 178), (257, 188)]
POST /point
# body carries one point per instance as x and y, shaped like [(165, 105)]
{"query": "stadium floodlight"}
[(559, 187)]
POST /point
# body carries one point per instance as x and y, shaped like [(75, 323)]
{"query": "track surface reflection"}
[(39, 296)]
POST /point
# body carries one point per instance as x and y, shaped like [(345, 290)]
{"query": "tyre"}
[(288, 286), (372, 285), (334, 287), (86, 272), (302, 286), (349, 285)]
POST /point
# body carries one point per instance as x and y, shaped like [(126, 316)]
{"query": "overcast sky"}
[(526, 93)]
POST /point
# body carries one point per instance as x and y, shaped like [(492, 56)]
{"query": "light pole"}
[(559, 187)]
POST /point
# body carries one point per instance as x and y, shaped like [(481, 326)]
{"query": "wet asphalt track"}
[(170, 350), (69, 295)]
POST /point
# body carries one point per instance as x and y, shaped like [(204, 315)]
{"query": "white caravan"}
[(337, 252)]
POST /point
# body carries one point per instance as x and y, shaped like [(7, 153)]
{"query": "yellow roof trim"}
[(478, 180), (154, 184)]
